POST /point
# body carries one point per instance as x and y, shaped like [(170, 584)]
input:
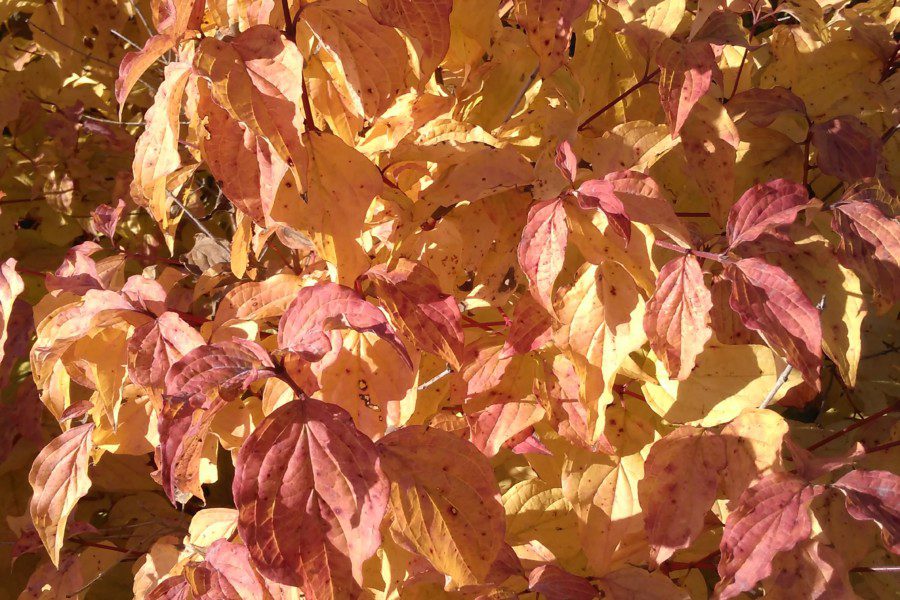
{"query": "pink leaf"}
[(846, 148), (492, 427), (323, 307), (771, 303), (226, 574), (543, 248), (764, 207), (599, 194), (677, 315), (870, 245), (679, 487), (105, 218), (556, 584), (685, 76), (221, 369), (411, 294), (566, 161), (134, 64), (530, 329), (153, 348), (771, 517), (874, 496), (311, 496), (644, 202)]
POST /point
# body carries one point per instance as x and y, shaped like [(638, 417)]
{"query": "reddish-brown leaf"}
[(599, 194), (874, 496), (529, 330), (556, 584), (135, 64), (846, 148), (772, 516), (11, 285), (543, 248), (764, 207), (771, 303), (427, 22), (323, 307), (411, 294), (221, 369), (226, 574), (679, 487), (677, 317), (548, 24), (311, 496), (59, 478), (685, 76), (105, 218), (644, 202), (153, 348), (445, 501), (870, 245), (762, 106)]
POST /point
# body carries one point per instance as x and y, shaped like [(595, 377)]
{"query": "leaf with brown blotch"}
[(445, 502), (327, 306), (492, 427), (874, 496), (771, 303), (368, 56), (156, 346), (59, 478), (681, 476), (761, 106), (427, 22), (556, 584), (846, 148), (765, 207), (226, 574), (135, 64), (243, 162), (870, 245), (257, 78), (685, 76), (222, 369), (529, 330), (677, 317), (599, 194), (156, 152), (548, 24), (310, 497), (543, 248), (771, 517), (425, 314), (11, 285)]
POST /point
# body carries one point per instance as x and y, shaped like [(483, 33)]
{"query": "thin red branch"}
[(892, 408), (648, 76)]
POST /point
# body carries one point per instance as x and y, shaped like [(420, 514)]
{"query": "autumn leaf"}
[(763, 208), (543, 247), (11, 285), (873, 495), (310, 497), (870, 245)]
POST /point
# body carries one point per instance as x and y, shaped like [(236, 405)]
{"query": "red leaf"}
[(492, 427), (685, 76), (771, 303), (762, 106), (764, 207), (679, 487), (543, 248), (771, 517), (59, 477), (105, 218), (134, 64), (311, 496), (870, 245), (153, 348), (530, 329), (644, 202), (677, 315), (846, 148), (874, 496), (411, 294), (226, 574), (556, 584), (599, 194), (320, 308), (220, 369), (173, 588), (78, 272)]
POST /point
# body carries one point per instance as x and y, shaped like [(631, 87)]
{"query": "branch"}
[(885, 411), (783, 377), (528, 83), (640, 83), (198, 223)]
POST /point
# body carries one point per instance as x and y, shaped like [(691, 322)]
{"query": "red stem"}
[(639, 84), (719, 258), (893, 408)]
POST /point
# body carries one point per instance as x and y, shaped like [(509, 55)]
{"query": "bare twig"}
[(198, 223), (528, 83), (141, 17), (885, 411), (437, 377), (125, 39), (648, 76), (783, 377)]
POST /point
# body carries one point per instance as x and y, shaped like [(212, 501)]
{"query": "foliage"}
[(420, 298)]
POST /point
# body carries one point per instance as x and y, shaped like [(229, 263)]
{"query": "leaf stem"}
[(892, 408), (719, 258), (639, 84)]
